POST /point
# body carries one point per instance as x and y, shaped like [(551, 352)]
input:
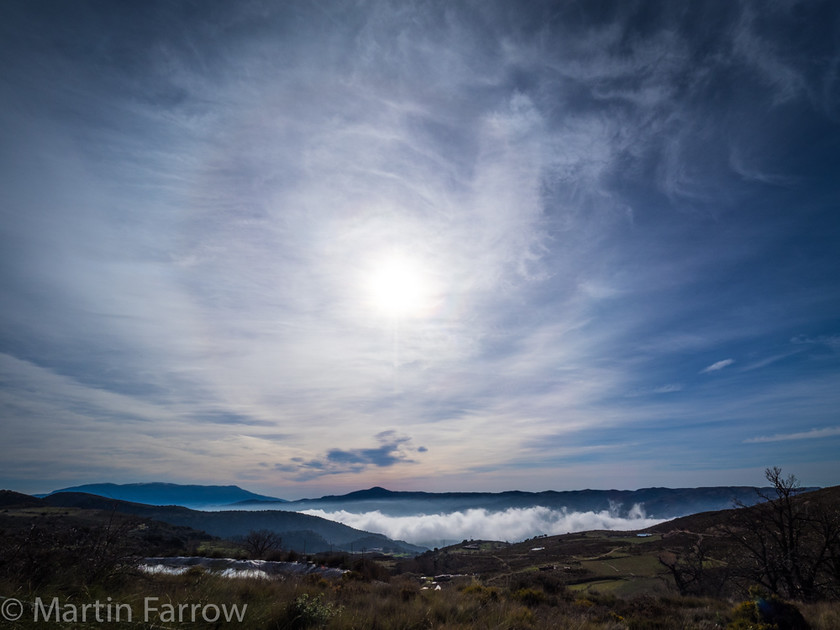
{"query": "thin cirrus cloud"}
[(668, 389), (717, 366), (193, 203), (812, 434)]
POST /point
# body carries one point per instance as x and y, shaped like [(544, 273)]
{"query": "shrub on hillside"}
[(546, 581), (308, 612), (530, 596), (767, 613)]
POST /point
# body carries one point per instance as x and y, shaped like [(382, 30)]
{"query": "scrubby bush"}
[(484, 593), (546, 581), (309, 612), (767, 613), (530, 596)]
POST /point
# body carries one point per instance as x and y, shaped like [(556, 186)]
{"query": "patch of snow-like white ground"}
[(228, 567)]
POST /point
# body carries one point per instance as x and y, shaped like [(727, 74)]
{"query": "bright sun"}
[(399, 287)]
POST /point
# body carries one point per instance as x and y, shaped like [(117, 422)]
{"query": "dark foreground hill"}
[(299, 532), (40, 543), (10, 498)]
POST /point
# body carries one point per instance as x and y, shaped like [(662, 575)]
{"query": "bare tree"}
[(828, 523), (790, 545), (686, 566), (259, 542), (693, 567)]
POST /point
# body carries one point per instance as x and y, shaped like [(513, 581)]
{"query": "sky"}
[(307, 247)]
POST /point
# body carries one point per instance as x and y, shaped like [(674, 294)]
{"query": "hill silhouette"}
[(157, 493)]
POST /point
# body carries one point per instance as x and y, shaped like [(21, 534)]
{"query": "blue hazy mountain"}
[(661, 503), (172, 494)]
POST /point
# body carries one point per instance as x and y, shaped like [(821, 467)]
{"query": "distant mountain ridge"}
[(657, 502), (663, 503), (157, 493)]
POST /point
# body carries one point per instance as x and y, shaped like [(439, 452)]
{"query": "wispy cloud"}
[(767, 57), (668, 389), (717, 366), (188, 225), (831, 341), (756, 365), (813, 434)]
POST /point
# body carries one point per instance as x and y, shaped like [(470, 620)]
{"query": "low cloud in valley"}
[(512, 525)]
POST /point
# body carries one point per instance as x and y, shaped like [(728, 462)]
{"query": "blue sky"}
[(307, 247)]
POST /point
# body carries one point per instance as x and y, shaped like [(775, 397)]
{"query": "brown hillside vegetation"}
[(688, 573)]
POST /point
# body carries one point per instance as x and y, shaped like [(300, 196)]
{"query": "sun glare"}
[(399, 287)]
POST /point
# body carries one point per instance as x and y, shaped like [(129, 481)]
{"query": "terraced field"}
[(617, 562)]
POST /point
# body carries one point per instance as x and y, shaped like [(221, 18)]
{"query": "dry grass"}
[(401, 603)]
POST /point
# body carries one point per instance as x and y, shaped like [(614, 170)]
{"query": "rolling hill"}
[(300, 532), (622, 563), (196, 496)]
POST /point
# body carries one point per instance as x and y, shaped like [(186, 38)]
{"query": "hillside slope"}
[(618, 562), (299, 532), (171, 494)]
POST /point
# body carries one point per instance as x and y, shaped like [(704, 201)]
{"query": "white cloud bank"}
[(513, 524)]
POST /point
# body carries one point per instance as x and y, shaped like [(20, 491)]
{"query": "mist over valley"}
[(510, 525), (430, 519)]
